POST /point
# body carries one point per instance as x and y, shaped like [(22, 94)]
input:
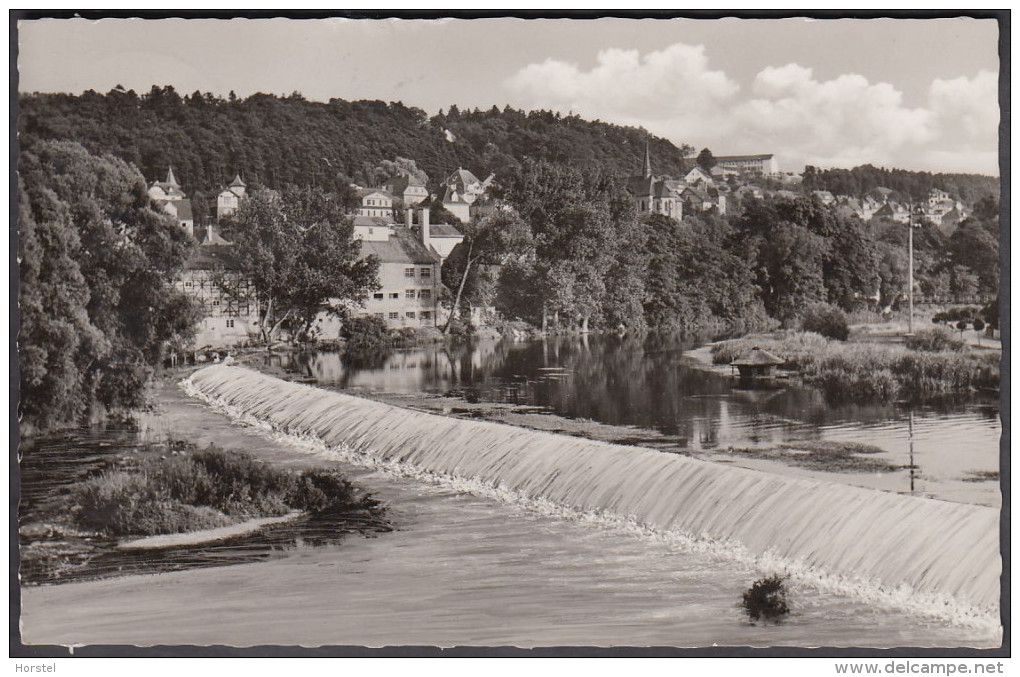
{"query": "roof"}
[(462, 176), (444, 230), (373, 221), (170, 178), (757, 358), (401, 247), (209, 256), (237, 182), (366, 192), (742, 158), (403, 181)]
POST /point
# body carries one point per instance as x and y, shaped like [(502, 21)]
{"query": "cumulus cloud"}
[(787, 110), (674, 84)]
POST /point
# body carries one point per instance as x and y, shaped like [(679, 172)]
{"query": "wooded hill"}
[(275, 141)]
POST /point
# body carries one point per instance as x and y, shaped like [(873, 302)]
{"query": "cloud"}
[(674, 84), (843, 121)]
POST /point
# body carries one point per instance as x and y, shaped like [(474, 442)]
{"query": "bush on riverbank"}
[(871, 371), (829, 321), (934, 340), (203, 490)]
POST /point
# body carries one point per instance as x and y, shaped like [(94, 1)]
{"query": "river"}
[(461, 568), (948, 451)]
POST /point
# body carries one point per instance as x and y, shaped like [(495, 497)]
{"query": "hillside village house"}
[(229, 319), (409, 271), (228, 200), (168, 196), (408, 188), (461, 190), (375, 203), (762, 165)]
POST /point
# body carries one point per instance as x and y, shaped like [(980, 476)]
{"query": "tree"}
[(295, 251), (490, 240), (706, 160), (97, 265)]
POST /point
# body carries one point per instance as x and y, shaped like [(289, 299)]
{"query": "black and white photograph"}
[(366, 331)]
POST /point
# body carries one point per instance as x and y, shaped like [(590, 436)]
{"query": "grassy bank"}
[(206, 489), (875, 371)]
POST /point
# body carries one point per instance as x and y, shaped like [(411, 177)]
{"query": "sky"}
[(917, 94)]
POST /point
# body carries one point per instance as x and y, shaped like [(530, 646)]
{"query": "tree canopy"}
[(294, 252), (97, 265)]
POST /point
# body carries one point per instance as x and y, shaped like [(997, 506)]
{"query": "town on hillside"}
[(395, 224)]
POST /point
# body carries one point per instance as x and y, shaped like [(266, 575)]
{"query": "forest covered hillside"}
[(275, 141)]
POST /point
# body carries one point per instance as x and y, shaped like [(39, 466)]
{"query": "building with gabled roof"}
[(409, 273), (228, 200), (408, 188), (170, 198), (229, 317)]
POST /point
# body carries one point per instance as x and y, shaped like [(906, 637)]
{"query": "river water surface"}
[(948, 450), (460, 569)]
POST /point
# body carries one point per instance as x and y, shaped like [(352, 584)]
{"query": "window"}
[(426, 272), (230, 324), (189, 284), (409, 294), (381, 316), (216, 302), (410, 314), (395, 295), (378, 295), (425, 294), (426, 314), (394, 316), (408, 272)]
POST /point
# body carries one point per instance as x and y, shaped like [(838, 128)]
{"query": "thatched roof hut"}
[(757, 364)]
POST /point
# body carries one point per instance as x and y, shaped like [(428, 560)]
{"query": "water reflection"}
[(645, 382)]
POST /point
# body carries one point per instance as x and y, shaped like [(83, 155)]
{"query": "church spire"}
[(170, 179), (648, 162)]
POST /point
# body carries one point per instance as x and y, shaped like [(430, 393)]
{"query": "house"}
[(228, 200), (698, 175), (723, 173), (848, 207), (761, 165), (893, 211), (655, 195), (230, 318), (375, 202), (442, 237), (409, 271), (824, 196), (464, 186), (170, 198), (408, 188), (696, 200), (455, 203)]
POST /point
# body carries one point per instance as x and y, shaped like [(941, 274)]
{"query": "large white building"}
[(764, 165)]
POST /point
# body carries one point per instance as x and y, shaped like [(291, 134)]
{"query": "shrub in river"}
[(322, 491), (829, 321), (765, 600), (202, 490), (934, 340)]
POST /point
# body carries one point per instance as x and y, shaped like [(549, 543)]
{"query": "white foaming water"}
[(927, 556)]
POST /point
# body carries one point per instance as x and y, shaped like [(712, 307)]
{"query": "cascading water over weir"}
[(895, 542)]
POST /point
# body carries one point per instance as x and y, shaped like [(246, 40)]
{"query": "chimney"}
[(425, 231), (409, 216)]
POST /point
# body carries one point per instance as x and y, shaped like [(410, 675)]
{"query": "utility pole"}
[(913, 222)]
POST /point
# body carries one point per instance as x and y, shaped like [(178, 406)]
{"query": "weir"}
[(893, 541)]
